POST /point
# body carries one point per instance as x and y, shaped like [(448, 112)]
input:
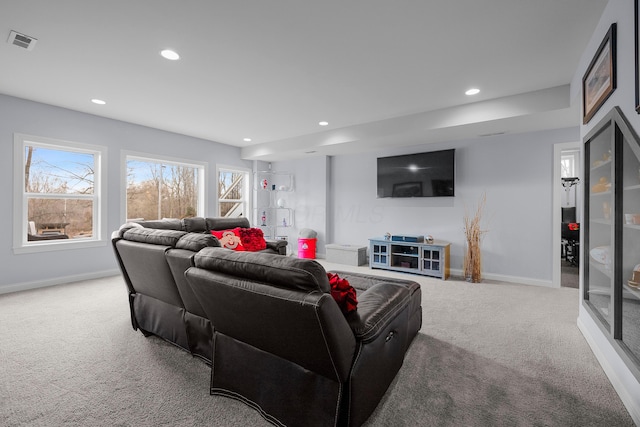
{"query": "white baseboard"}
[(613, 374), (505, 278), (56, 281)]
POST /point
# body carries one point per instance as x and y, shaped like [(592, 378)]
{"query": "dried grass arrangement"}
[(473, 233)]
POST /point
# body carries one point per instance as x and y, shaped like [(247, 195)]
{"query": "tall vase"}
[(473, 262)]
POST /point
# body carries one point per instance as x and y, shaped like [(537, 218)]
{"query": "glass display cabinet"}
[(272, 213), (612, 233)]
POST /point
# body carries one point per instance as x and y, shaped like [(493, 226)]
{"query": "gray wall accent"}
[(32, 118), (621, 12), (309, 198), (515, 172)]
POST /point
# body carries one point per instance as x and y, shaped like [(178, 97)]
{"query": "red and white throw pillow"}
[(241, 239), (229, 239)]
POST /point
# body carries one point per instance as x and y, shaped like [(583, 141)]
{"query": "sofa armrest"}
[(377, 307), (384, 329), (123, 229), (279, 246)]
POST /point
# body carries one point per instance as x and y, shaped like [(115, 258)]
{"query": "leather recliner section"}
[(153, 262), (274, 319)]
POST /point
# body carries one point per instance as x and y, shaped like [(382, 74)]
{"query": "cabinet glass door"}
[(630, 221), (599, 233), (380, 253), (612, 237), (431, 259)]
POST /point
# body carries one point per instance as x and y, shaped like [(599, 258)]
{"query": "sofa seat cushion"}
[(377, 306), (285, 272)]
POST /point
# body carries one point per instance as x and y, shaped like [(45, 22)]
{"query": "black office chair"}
[(570, 234)]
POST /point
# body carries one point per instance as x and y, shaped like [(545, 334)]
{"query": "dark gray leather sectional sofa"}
[(153, 256), (267, 323)]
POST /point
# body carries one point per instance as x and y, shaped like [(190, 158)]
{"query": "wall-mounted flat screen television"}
[(430, 174)]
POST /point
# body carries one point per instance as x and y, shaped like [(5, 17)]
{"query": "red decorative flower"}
[(252, 239), (343, 293), (574, 226)]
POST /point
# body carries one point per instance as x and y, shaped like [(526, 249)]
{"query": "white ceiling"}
[(381, 72)]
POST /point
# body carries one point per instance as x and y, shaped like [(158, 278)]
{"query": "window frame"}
[(20, 196), (126, 155), (247, 188)]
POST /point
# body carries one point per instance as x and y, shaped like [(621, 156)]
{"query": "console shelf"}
[(429, 259)]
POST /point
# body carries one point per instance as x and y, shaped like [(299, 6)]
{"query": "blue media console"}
[(429, 259)]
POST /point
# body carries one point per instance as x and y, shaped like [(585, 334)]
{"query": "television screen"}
[(429, 174)]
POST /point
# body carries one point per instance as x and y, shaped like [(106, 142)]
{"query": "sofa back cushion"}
[(196, 224), (227, 223), (278, 270), (154, 236), (196, 241), (147, 270), (162, 224)]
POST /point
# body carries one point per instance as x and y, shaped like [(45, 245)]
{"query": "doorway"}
[(567, 214)]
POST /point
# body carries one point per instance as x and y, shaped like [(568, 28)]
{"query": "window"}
[(569, 162), (57, 194), (163, 188), (233, 192)]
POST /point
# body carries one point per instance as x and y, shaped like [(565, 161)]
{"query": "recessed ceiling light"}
[(247, 139), (98, 101), (473, 91), (170, 54), (323, 123)]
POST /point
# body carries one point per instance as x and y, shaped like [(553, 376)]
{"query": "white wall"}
[(310, 198), (621, 12), (515, 172), (22, 116)]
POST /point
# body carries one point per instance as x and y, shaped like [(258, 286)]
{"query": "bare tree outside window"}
[(59, 188), (157, 190)]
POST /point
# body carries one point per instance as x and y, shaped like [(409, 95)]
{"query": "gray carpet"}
[(488, 354)]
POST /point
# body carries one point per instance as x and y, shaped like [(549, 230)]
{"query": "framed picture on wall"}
[(599, 81), (637, 51)]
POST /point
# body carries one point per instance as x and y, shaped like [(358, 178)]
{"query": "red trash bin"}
[(307, 248)]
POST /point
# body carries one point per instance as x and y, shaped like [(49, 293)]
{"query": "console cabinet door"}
[(432, 260), (379, 254)]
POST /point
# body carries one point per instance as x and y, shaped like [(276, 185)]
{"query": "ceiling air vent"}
[(21, 40)]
